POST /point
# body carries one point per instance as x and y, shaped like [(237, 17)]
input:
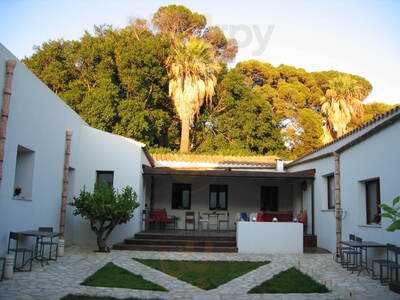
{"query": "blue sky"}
[(359, 37)]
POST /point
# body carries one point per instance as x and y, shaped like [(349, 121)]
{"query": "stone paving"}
[(64, 276)]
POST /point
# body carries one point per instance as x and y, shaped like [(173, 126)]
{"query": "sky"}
[(358, 37)]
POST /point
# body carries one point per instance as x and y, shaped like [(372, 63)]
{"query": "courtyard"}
[(65, 276)]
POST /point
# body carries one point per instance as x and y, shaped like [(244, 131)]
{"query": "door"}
[(269, 198)]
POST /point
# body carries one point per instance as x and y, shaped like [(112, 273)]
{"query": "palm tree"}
[(341, 105), (192, 68)]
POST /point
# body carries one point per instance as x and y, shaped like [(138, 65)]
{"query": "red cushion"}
[(281, 216)]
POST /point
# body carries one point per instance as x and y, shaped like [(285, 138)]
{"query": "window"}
[(218, 198), (269, 198), (181, 195), (373, 201), (330, 179), (24, 173), (105, 176)]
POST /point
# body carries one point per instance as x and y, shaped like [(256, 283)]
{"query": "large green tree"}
[(193, 65), (240, 121), (115, 79), (144, 81)]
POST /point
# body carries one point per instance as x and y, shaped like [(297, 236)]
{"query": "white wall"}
[(375, 157), (100, 150), (243, 194), (38, 121), (324, 218), (269, 237)]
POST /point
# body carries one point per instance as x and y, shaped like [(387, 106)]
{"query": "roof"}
[(202, 160), (393, 113), (391, 116), (228, 173)]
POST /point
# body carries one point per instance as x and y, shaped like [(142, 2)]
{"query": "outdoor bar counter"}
[(269, 237)]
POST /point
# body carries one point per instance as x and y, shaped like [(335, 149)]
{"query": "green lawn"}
[(86, 297), (203, 274), (289, 281), (116, 277)]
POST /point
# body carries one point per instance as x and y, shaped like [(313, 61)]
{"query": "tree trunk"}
[(185, 135), (101, 242)]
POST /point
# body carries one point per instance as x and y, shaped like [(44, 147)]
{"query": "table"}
[(364, 245), (38, 235)]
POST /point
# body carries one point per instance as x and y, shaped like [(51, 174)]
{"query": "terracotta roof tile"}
[(219, 159)]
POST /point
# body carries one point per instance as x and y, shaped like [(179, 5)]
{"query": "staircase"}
[(184, 241)]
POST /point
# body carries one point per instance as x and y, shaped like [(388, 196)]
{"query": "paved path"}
[(64, 276)]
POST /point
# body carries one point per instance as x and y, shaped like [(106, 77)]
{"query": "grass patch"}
[(116, 277), (87, 297), (289, 281), (206, 275)]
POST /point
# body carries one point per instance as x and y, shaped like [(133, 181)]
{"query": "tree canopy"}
[(118, 80)]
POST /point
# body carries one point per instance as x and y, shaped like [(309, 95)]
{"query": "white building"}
[(369, 161), (34, 160), (33, 163)]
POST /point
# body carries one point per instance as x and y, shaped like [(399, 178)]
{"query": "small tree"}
[(392, 213), (105, 208)]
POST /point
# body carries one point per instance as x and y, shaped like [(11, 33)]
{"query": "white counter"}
[(269, 237)]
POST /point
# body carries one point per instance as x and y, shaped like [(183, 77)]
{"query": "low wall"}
[(269, 237)]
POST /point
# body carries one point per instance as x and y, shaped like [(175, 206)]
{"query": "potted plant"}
[(393, 213)]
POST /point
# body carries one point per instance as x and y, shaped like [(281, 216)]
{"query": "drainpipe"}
[(64, 193), (5, 109), (338, 208)]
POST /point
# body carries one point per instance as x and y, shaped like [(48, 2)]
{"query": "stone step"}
[(166, 236), (123, 246), (177, 242), (310, 241)]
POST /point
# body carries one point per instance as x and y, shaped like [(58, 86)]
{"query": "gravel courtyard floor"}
[(64, 276)]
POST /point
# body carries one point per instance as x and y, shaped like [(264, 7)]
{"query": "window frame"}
[(328, 178), (378, 199), (102, 172), (218, 188), (24, 173), (178, 188)]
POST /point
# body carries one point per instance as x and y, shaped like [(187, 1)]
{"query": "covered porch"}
[(215, 194)]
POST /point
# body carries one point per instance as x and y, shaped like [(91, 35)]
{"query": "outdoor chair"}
[(201, 221), (145, 219), (14, 241), (350, 255), (224, 220), (354, 257), (47, 242), (190, 220), (395, 267), (3, 263), (159, 217), (384, 263)]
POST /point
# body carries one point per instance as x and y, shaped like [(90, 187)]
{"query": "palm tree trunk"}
[(185, 129)]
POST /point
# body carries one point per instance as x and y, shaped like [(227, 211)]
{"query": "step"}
[(310, 241), (123, 246), (160, 236), (174, 242)]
